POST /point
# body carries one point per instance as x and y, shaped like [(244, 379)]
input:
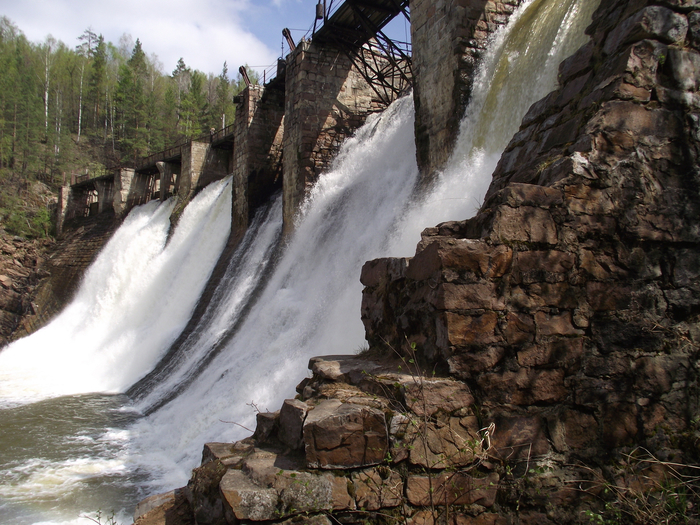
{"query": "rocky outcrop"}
[(365, 437), (570, 303), (560, 328), (22, 268)]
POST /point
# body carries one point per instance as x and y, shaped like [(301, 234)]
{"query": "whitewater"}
[(108, 404)]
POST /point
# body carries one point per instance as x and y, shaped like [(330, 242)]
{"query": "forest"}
[(68, 110)]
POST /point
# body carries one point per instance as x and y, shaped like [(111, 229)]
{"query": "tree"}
[(97, 80), (85, 50), (224, 109), (193, 107), (47, 56), (131, 104)]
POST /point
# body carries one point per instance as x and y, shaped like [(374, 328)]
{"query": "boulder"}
[(344, 435), (291, 422)]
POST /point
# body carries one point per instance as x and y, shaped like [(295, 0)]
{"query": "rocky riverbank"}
[(22, 268)]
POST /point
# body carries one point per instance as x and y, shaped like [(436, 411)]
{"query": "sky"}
[(205, 33)]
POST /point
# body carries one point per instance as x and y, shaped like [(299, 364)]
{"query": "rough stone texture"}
[(23, 266), (452, 489), (171, 508), (569, 304), (257, 152), (326, 99), (291, 421), (344, 435), (47, 282), (169, 173)]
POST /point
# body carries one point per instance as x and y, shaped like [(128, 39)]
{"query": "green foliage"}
[(67, 109)]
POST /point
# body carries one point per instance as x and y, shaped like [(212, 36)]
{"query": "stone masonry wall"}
[(192, 164), (258, 130), (326, 99), (570, 304), (457, 32)]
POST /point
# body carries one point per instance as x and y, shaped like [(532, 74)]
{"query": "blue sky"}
[(205, 33)]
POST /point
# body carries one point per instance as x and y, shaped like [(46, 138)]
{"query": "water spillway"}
[(280, 302)]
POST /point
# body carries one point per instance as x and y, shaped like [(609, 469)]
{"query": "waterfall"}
[(279, 302), (134, 300)]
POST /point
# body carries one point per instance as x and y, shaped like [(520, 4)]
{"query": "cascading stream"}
[(247, 268), (271, 312)]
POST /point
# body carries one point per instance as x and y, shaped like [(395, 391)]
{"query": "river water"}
[(106, 405)]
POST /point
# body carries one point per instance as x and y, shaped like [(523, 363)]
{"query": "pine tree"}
[(96, 83), (131, 105), (224, 109)]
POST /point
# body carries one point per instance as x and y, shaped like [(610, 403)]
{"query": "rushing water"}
[(69, 448)]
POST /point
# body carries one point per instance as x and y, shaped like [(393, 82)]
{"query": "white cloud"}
[(205, 33)]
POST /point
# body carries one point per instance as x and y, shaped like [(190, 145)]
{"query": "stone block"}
[(452, 489), (474, 296), (524, 224), (555, 324), (340, 497), (592, 392), (266, 427), (573, 430), (653, 22), (557, 295), (637, 122), (519, 437), (291, 423), (244, 500), (604, 296), (686, 270), (520, 328), (518, 194), (203, 493), (377, 488), (576, 63), (586, 200), (464, 255), (443, 443), (524, 387), (343, 435), (269, 487), (561, 353), (467, 365), (657, 374), (619, 424), (694, 28), (229, 454), (171, 508), (426, 397), (464, 330), (538, 265)]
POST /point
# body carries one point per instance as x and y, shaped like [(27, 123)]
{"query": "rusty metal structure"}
[(355, 27)]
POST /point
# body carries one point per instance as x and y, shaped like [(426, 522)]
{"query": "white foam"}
[(134, 301)]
